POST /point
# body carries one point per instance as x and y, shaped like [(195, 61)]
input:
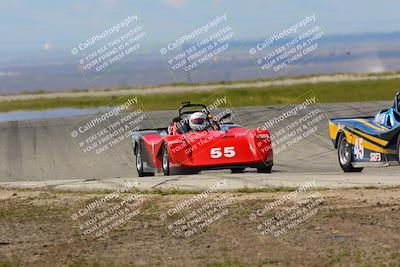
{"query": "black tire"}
[(266, 168), (398, 148), (237, 170), (165, 161), (345, 155), (139, 163)]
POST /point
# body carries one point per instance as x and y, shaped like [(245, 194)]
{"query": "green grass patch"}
[(349, 91), (31, 212), (339, 256), (10, 263), (282, 95)]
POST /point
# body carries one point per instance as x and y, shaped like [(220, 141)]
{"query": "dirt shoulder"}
[(357, 227)]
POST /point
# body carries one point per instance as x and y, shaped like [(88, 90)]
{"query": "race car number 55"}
[(229, 152)]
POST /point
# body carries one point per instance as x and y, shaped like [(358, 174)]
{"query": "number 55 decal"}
[(229, 152)]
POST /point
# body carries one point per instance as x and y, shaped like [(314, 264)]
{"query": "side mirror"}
[(226, 116)]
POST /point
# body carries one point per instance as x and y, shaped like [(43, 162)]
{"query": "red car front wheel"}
[(165, 161)]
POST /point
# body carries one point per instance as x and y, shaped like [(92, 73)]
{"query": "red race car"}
[(196, 140)]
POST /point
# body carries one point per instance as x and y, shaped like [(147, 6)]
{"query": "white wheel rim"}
[(344, 152), (165, 160), (138, 160)]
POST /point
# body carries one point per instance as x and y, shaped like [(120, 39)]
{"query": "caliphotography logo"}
[(199, 133)]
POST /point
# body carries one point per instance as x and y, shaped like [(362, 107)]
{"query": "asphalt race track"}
[(44, 150)]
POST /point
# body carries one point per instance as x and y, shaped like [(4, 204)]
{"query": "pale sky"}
[(48, 23)]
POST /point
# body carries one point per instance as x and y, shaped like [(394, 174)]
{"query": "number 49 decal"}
[(358, 148), (229, 152)]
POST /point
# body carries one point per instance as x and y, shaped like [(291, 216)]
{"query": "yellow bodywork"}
[(335, 129)]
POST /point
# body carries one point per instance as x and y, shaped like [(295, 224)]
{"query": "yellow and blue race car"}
[(368, 141)]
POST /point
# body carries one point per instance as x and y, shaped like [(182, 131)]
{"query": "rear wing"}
[(187, 104)]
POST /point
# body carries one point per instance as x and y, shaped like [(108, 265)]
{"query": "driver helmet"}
[(197, 121)]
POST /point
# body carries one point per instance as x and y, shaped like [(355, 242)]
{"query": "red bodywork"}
[(209, 149)]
